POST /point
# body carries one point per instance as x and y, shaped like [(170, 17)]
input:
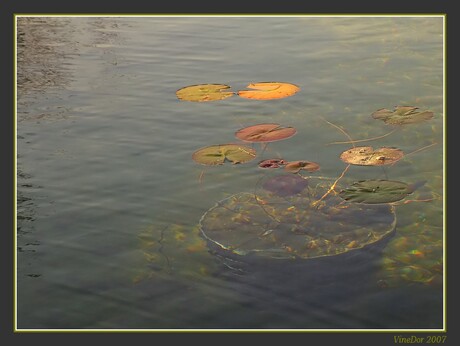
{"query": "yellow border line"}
[(314, 331)]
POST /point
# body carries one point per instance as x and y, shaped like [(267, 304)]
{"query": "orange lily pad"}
[(402, 115), (297, 166), (204, 92), (269, 90), (220, 153), (265, 133), (367, 156)]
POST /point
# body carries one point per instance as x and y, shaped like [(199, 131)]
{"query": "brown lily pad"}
[(367, 156), (268, 132), (402, 115), (204, 92), (269, 90), (297, 166), (220, 153)]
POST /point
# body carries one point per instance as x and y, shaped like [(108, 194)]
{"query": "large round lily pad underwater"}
[(266, 225)]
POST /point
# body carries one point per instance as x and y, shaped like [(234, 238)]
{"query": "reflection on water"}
[(110, 201)]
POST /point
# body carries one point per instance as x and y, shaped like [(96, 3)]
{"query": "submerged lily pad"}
[(218, 154), (402, 115), (204, 92), (285, 185), (376, 191), (367, 156), (263, 226), (297, 166), (267, 132), (269, 90)]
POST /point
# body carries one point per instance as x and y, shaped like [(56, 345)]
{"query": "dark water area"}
[(109, 199)]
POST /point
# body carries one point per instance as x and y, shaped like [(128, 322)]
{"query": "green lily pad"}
[(367, 156), (268, 132), (218, 154), (204, 92), (376, 191), (402, 115)]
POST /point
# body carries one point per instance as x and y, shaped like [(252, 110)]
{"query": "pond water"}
[(109, 199)]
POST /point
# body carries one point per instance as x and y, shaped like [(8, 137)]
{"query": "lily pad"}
[(285, 185), (297, 166), (218, 154), (376, 191), (367, 156), (255, 228), (402, 115), (204, 92), (272, 163), (267, 132), (269, 90)]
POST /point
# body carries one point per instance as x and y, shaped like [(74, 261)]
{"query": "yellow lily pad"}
[(204, 92)]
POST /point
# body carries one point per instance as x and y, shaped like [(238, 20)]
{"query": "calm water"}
[(110, 200)]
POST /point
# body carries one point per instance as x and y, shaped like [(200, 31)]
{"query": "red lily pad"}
[(272, 163), (267, 132)]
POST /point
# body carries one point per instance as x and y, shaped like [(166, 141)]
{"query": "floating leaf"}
[(367, 156), (217, 154), (269, 90), (204, 92), (265, 133), (376, 191), (402, 115), (296, 166), (272, 163), (285, 185)]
